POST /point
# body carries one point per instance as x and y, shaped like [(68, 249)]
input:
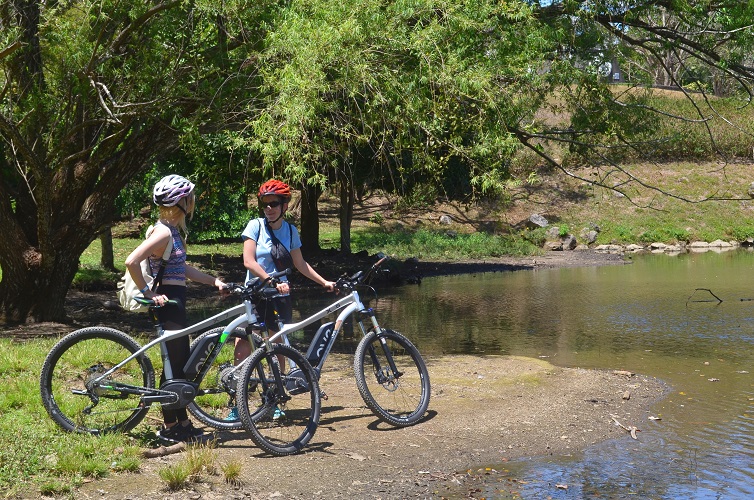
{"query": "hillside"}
[(668, 202)]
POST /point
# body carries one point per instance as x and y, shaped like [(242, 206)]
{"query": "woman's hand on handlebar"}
[(283, 287), (158, 299)]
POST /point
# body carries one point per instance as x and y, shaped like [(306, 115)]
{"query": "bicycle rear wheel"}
[(216, 394), (72, 397), (281, 422), (398, 397)]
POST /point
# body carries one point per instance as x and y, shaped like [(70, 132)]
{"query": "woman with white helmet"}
[(175, 197)]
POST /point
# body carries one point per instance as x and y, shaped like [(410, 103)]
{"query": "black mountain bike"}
[(99, 379)]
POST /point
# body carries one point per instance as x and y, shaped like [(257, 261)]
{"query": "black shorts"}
[(173, 317), (268, 308)]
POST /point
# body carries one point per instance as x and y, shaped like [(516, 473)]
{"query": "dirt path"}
[(483, 411)]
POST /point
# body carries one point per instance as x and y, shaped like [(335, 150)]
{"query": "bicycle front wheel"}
[(74, 397), (279, 400), (392, 378), (216, 395)]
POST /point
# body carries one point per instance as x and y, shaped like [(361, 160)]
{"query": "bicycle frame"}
[(349, 304), (245, 315)]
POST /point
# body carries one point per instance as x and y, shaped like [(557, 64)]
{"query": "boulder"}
[(446, 220), (536, 220)]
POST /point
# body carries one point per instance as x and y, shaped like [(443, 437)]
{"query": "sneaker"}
[(180, 433), (233, 415), (278, 414)]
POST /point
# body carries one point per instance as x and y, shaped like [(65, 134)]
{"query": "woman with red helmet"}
[(271, 243)]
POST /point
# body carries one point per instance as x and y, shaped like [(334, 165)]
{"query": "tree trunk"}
[(33, 292), (310, 220), (346, 213), (107, 260)]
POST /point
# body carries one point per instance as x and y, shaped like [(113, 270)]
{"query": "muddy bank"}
[(484, 410)]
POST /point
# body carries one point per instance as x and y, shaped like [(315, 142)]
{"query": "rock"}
[(589, 236), (111, 305), (569, 242), (446, 220), (537, 220), (720, 244), (552, 233)]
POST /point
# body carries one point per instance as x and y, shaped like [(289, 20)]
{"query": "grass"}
[(232, 471), (434, 244), (198, 462), (719, 206), (91, 271), (36, 457), (427, 244), (34, 452), (701, 201), (176, 476)]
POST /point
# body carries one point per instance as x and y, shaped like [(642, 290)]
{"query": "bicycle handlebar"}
[(149, 302), (256, 286), (347, 283)]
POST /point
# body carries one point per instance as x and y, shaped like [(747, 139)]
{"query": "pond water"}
[(658, 316), (651, 317)]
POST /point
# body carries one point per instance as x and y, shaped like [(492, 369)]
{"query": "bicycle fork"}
[(383, 375)]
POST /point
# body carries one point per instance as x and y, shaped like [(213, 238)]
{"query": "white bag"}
[(127, 288)]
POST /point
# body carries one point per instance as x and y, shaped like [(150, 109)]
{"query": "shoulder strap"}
[(259, 228), (168, 248), (164, 260), (281, 256)]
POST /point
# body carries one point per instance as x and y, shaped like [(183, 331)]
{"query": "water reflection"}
[(647, 317)]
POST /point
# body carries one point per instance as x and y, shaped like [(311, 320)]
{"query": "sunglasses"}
[(271, 204)]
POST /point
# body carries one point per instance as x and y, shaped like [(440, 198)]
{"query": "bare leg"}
[(242, 351)]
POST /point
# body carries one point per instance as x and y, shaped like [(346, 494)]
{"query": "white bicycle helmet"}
[(169, 190)]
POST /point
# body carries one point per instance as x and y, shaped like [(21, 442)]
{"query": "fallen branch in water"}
[(630, 429), (719, 300)]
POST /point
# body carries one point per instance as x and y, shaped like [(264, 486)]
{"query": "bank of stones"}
[(675, 248)]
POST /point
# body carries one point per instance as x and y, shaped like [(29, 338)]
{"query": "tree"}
[(606, 126), (92, 92), (392, 94), (399, 95)]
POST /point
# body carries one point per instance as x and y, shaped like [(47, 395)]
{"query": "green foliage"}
[(429, 244), (664, 234), (393, 94), (397, 96), (377, 218), (536, 237), (421, 196)]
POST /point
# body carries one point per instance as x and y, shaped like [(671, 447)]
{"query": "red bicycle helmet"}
[(274, 187)]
